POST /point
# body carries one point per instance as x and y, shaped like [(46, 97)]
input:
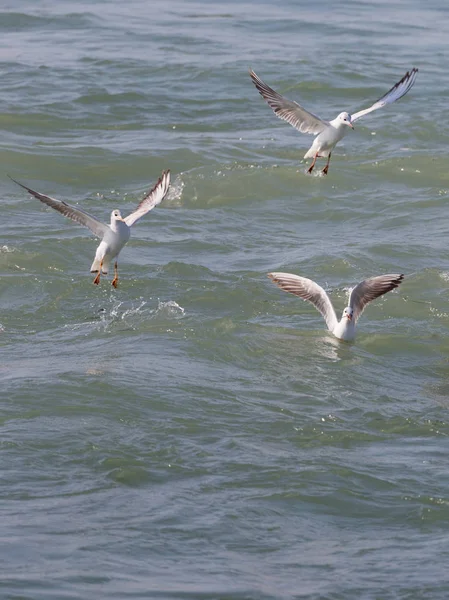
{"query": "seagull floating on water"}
[(114, 236), (328, 133), (364, 292)]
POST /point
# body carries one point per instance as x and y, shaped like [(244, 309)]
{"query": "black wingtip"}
[(164, 175), (399, 279), (255, 78), (18, 183), (413, 73)]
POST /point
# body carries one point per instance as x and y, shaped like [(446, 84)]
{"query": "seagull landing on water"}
[(114, 236), (328, 133), (363, 293)]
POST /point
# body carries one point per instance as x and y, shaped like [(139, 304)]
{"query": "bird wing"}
[(152, 199), (303, 120), (370, 289), (76, 214), (307, 290), (397, 91)]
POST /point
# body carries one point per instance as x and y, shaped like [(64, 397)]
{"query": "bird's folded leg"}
[(115, 280), (326, 168), (310, 169)]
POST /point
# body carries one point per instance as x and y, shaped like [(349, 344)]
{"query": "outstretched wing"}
[(307, 290), (76, 214), (152, 199), (303, 120), (370, 289), (397, 91)]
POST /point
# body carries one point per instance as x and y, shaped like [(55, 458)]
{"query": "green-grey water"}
[(197, 433)]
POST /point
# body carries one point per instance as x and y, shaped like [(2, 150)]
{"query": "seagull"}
[(364, 292), (114, 236), (328, 133)]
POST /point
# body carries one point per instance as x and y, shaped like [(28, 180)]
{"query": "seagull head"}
[(345, 119), (348, 313), (116, 216)]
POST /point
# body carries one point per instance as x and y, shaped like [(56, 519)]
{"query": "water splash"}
[(175, 191), (169, 309)]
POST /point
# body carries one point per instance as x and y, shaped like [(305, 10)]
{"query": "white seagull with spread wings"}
[(364, 292), (328, 133), (114, 236)]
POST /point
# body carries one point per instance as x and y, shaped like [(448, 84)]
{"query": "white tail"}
[(97, 263)]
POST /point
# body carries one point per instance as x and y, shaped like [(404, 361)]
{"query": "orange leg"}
[(326, 168), (115, 280), (97, 278), (310, 169)]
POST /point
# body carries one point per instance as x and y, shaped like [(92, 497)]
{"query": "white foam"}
[(170, 309), (175, 191)]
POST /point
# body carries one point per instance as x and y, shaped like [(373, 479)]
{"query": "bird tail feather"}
[(97, 263)]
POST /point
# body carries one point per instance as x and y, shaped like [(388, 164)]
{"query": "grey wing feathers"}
[(307, 290), (152, 199), (303, 120), (370, 289), (397, 91), (76, 214)]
